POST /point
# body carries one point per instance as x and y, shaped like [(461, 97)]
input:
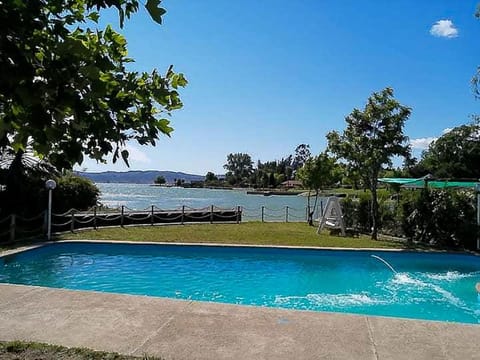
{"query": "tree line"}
[(363, 152)]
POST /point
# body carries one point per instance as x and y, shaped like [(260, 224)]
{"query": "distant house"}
[(291, 184)]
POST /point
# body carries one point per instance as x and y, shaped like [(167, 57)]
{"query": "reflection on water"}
[(142, 196)]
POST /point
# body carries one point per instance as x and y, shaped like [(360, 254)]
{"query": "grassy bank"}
[(251, 233), (37, 351)]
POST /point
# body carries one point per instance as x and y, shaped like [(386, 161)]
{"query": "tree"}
[(455, 154), (302, 154), (160, 180), (179, 182), (65, 91), (476, 77), (352, 177), (271, 180), (316, 174), (211, 178), (371, 138), (276, 171), (239, 166)]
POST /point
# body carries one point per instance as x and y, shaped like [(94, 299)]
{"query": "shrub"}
[(440, 217), (445, 218), (74, 192), (349, 210), (356, 212)]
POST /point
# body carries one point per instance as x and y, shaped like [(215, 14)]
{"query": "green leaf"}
[(94, 16), (154, 10), (164, 126), (178, 80), (115, 155), (125, 154), (16, 110), (39, 55)]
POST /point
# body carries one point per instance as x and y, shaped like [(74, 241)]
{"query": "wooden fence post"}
[(45, 222), (12, 227), (72, 219)]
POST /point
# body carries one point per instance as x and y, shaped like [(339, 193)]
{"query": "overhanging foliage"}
[(64, 87)]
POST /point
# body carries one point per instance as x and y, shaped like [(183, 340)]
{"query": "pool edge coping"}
[(111, 242), (206, 244), (380, 338), (233, 305)]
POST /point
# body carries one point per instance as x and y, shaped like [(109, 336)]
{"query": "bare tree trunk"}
[(308, 209), (374, 209), (14, 184), (311, 213)]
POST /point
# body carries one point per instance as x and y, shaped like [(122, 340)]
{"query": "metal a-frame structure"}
[(332, 217)]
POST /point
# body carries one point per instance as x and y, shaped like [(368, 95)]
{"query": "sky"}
[(266, 76)]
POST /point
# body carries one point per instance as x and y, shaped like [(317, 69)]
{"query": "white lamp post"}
[(50, 185)]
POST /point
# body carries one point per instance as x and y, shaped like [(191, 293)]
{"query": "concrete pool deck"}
[(175, 329)]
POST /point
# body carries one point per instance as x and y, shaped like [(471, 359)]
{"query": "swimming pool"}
[(431, 286)]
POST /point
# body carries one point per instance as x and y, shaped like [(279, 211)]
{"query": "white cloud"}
[(422, 143), (444, 28), (137, 155)]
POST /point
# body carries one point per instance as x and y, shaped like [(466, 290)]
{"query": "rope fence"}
[(281, 214), (13, 227)]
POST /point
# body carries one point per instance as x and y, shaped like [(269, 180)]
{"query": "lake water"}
[(142, 196)]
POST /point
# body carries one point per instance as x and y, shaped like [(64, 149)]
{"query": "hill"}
[(138, 177)]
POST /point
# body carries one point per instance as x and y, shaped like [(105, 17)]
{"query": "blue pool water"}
[(426, 286)]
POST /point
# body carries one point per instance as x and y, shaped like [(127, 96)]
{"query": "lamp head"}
[(50, 184)]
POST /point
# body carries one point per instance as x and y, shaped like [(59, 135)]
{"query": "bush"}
[(364, 220), (444, 218), (356, 212), (349, 209), (467, 230), (74, 192), (440, 217), (389, 219)]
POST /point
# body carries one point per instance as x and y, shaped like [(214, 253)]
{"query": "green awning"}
[(420, 183)]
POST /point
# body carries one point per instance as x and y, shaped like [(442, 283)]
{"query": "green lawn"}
[(252, 233), (16, 350)]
